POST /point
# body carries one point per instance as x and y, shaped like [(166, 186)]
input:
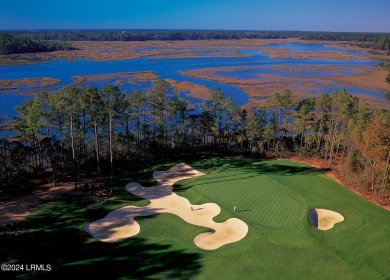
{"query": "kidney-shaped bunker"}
[(324, 219)]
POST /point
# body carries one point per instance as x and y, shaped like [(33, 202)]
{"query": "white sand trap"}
[(324, 219), (120, 223), (232, 230)]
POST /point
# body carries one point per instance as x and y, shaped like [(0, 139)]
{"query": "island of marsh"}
[(249, 71), (260, 82), (272, 197)]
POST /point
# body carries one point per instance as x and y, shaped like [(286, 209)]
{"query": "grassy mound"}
[(272, 197)]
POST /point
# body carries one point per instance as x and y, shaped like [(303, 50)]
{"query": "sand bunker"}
[(324, 219), (120, 223)]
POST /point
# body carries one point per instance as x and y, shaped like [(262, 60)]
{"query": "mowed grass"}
[(257, 197), (272, 197)]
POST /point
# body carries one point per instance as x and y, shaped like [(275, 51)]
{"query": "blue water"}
[(170, 68)]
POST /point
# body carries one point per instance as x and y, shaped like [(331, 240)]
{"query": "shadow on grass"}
[(181, 187), (54, 235), (313, 218), (236, 169), (255, 166), (223, 169), (69, 254)]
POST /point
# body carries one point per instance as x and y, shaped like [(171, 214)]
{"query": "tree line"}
[(14, 45), (376, 41), (77, 133), (151, 35)]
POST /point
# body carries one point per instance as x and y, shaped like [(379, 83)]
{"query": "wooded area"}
[(74, 134), (13, 45)]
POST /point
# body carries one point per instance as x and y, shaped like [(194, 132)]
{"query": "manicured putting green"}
[(263, 200)]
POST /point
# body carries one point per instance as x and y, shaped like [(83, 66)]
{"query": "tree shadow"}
[(287, 170), (54, 235), (256, 166), (226, 169), (241, 169), (69, 253), (181, 188), (280, 168)]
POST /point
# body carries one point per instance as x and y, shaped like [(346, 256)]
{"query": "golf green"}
[(272, 197)]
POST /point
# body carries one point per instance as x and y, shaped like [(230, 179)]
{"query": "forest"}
[(376, 41), (13, 45), (80, 133)]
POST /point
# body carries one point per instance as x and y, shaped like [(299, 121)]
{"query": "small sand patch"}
[(324, 219)]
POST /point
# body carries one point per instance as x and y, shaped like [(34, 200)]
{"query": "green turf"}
[(272, 197)]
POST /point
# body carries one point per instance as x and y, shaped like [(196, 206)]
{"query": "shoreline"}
[(258, 85), (119, 50)]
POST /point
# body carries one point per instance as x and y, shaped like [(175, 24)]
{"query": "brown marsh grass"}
[(190, 89), (121, 77), (31, 83)]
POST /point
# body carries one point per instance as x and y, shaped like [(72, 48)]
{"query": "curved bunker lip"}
[(324, 219), (120, 223), (313, 218)]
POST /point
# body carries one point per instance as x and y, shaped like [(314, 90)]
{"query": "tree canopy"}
[(13, 45), (75, 133)]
